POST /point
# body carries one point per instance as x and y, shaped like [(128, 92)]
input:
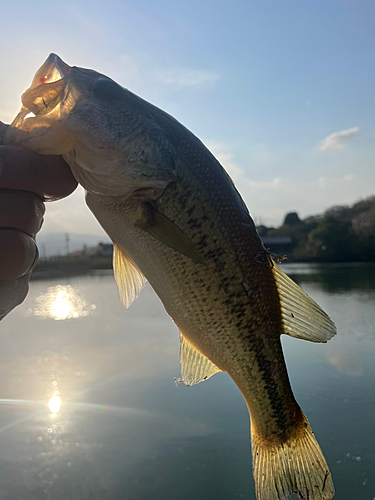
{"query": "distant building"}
[(100, 250), (279, 245), (104, 250)]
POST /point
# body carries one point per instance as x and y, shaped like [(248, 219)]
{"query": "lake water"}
[(125, 431)]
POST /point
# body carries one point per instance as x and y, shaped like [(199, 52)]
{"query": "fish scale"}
[(176, 218), (251, 335), (191, 298)]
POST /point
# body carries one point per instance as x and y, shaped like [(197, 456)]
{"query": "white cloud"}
[(269, 200), (322, 182), (186, 77), (349, 177), (338, 140), (143, 78)]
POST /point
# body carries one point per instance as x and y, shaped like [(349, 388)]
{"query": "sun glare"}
[(54, 404), (62, 302)]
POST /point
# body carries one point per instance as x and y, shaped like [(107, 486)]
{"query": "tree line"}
[(341, 234)]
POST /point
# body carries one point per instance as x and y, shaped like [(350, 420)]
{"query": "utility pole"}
[(67, 239)]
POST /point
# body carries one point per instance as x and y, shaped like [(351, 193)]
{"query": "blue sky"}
[(281, 92)]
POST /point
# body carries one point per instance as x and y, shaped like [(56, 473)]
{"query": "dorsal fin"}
[(301, 316), (195, 367), (128, 277)]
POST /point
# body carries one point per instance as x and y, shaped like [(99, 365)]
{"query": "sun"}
[(54, 404)]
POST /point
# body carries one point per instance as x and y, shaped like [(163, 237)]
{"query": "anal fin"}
[(195, 366)]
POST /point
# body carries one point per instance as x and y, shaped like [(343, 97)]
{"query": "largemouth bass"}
[(177, 220)]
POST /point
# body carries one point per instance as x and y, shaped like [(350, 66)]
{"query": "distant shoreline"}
[(56, 267), (61, 267)]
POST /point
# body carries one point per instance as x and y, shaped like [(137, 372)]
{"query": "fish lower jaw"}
[(40, 135)]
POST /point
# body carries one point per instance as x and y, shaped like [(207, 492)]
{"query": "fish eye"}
[(107, 90)]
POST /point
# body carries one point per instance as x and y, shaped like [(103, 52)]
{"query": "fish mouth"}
[(53, 69), (46, 90), (47, 86), (45, 105)]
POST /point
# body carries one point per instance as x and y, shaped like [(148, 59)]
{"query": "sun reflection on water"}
[(54, 404), (62, 302)]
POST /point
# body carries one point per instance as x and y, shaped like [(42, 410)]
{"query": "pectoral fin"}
[(171, 235), (128, 277), (302, 317), (195, 367)]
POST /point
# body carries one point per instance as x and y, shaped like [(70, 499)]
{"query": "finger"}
[(3, 128), (18, 254), (12, 293), (47, 176), (21, 210)]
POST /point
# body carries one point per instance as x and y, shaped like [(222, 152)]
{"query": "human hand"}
[(26, 181)]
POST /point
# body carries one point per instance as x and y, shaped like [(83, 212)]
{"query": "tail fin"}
[(296, 466)]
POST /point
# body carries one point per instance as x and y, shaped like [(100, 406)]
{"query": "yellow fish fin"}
[(301, 316), (128, 277), (295, 466), (171, 235), (195, 367)]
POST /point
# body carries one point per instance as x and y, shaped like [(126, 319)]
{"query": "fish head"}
[(108, 136)]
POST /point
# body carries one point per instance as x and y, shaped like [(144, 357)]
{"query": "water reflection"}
[(54, 404), (346, 294), (335, 278), (62, 302), (125, 431)]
